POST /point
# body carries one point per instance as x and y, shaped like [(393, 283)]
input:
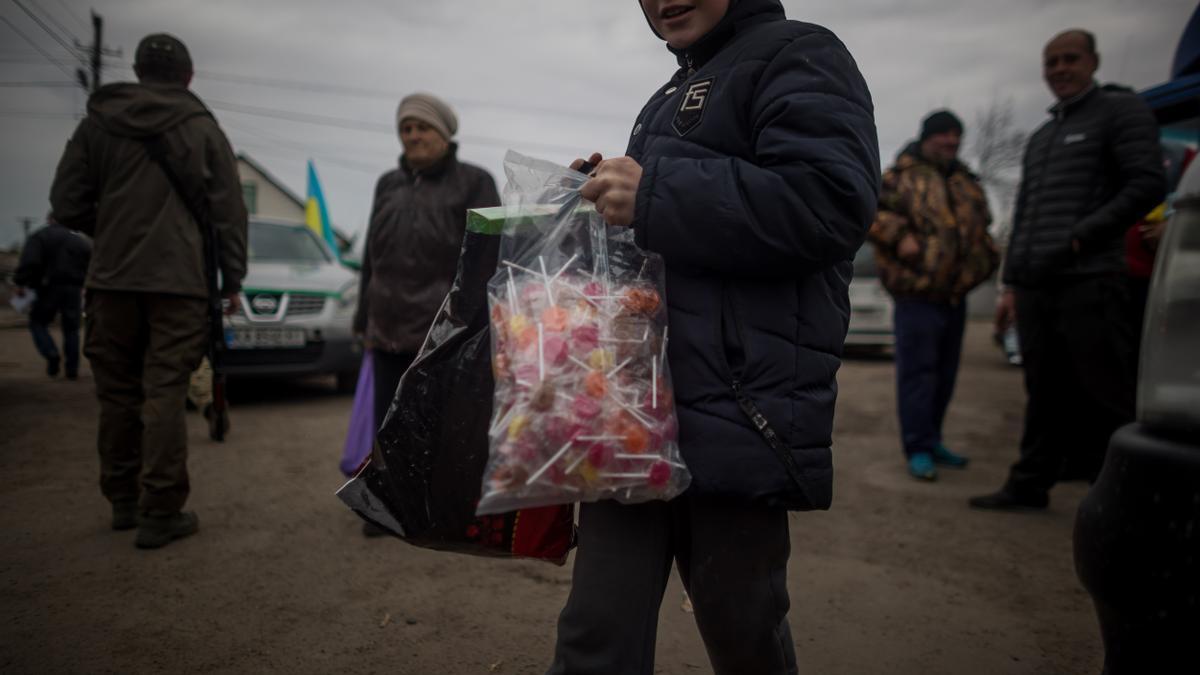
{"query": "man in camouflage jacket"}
[(932, 247)]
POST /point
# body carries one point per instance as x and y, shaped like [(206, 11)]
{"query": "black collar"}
[(741, 15), (436, 169), (1063, 107)]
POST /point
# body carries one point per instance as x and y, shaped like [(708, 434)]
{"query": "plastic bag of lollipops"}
[(583, 407)]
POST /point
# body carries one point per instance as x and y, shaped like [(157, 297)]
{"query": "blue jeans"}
[(65, 302), (929, 339)]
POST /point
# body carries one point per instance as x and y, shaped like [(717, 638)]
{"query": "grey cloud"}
[(516, 69)]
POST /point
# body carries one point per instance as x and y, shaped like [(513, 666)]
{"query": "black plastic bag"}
[(423, 480)]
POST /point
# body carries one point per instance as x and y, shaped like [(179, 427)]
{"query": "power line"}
[(34, 115), (29, 85), (71, 13), (32, 59), (53, 20), (35, 45), (308, 148), (366, 92), (272, 149), (272, 141), (42, 24), (373, 127)]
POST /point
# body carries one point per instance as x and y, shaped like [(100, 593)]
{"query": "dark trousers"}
[(389, 368), (142, 348), (65, 302), (733, 562), (1077, 345), (929, 339)]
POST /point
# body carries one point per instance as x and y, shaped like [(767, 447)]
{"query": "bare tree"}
[(997, 150)]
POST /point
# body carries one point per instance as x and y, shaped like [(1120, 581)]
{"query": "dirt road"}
[(899, 578)]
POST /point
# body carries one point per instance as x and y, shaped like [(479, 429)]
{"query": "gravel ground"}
[(898, 578)]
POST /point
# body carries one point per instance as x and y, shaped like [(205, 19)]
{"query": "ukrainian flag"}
[(316, 216)]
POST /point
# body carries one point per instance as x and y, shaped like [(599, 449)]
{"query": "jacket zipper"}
[(733, 345)]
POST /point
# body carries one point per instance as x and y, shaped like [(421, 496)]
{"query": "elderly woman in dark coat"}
[(417, 223)]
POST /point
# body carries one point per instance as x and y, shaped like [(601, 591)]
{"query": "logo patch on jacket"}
[(1072, 139), (691, 107)]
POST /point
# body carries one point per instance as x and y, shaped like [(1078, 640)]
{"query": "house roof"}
[(343, 240), (272, 179)]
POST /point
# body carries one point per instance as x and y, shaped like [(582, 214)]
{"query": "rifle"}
[(218, 418)]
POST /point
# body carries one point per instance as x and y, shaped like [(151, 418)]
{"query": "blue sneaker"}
[(920, 466), (943, 456)]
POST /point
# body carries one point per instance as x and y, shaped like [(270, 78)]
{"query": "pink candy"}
[(585, 407), (660, 474), (588, 407), (586, 338), (555, 349)]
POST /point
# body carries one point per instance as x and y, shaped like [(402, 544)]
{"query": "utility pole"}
[(97, 49), (26, 225), (96, 52)]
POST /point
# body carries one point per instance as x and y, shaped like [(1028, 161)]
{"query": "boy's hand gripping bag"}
[(583, 406), (422, 480)]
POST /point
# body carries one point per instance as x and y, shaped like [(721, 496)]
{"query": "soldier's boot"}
[(124, 515), (158, 531)]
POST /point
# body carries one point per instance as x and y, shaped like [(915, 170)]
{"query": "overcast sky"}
[(550, 78)]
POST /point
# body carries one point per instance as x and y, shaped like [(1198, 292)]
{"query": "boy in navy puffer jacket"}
[(754, 172)]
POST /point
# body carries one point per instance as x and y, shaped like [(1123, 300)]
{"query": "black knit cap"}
[(161, 52), (939, 122)]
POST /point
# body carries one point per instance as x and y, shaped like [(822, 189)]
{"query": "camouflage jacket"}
[(948, 214)]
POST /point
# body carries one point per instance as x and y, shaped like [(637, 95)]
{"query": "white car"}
[(298, 306), (870, 305)]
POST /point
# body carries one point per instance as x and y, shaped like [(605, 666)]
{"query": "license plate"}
[(264, 338)]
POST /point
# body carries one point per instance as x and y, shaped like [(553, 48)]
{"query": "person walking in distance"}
[(53, 265)]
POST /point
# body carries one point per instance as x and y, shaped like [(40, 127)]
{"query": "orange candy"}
[(595, 384), (637, 439), (527, 337), (641, 300), (555, 319)]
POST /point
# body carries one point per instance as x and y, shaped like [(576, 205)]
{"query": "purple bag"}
[(361, 435)]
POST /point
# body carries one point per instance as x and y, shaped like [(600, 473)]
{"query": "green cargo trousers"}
[(142, 347)]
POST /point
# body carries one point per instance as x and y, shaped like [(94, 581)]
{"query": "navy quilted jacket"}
[(760, 179)]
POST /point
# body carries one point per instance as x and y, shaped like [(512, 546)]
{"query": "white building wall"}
[(271, 202)]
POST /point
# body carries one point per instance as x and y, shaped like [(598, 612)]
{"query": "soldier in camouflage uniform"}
[(932, 247)]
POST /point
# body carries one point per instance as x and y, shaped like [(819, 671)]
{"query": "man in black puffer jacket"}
[(1090, 173), (754, 172)]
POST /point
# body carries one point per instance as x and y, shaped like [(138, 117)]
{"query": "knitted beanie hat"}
[(430, 110)]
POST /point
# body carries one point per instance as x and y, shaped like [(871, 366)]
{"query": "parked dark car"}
[(1137, 536)]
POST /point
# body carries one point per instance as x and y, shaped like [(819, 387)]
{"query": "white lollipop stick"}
[(578, 460), (546, 280), (557, 456), (541, 353), (615, 370), (512, 293), (564, 267), (653, 384), (513, 265)]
